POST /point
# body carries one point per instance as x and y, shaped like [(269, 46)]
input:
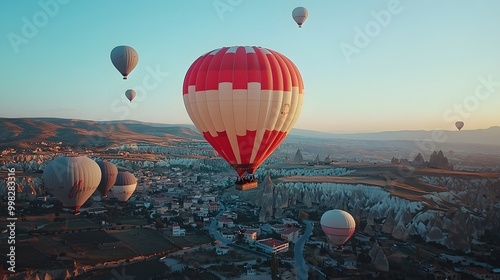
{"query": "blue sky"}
[(423, 65)]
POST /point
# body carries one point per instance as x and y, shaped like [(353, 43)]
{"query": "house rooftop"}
[(290, 230), (271, 242)]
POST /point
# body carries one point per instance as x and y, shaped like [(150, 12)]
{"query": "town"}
[(186, 218)]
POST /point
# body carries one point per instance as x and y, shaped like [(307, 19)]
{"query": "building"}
[(278, 228), (211, 206), (250, 236), (480, 273), (221, 250), (288, 221), (271, 245), (230, 215), (224, 222), (290, 234), (187, 205), (228, 234), (177, 231)]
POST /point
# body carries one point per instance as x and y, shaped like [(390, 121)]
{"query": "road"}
[(301, 267), (212, 229)]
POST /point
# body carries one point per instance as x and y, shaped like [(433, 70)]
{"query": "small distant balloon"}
[(130, 94), (124, 58), (299, 14), (459, 125)]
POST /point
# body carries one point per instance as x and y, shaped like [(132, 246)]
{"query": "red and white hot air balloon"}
[(338, 225), (244, 100), (72, 180)]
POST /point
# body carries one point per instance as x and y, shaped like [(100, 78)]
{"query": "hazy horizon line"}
[(308, 129)]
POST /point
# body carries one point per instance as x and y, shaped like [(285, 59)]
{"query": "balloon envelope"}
[(338, 225), (124, 58), (459, 125), (109, 171), (299, 14), (130, 94), (244, 101), (72, 179), (125, 185)]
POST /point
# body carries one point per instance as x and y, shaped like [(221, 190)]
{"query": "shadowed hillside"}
[(26, 132)]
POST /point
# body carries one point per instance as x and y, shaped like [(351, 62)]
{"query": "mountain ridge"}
[(23, 130)]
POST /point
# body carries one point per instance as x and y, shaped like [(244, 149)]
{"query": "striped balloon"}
[(108, 176), (125, 185), (338, 225), (244, 100)]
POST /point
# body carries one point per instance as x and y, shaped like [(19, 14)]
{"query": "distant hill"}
[(23, 132), (489, 136)]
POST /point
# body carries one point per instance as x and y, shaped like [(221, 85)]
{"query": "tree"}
[(274, 267), (159, 223)]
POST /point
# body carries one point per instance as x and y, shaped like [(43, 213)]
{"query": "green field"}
[(141, 270), (143, 240), (86, 247), (134, 221), (68, 225), (190, 240)]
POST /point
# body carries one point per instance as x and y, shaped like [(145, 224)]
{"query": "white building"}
[(230, 215), (271, 245), (229, 235), (290, 234), (288, 221), (250, 236), (221, 250), (224, 222), (278, 228), (177, 231)]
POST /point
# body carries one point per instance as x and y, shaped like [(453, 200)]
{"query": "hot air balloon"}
[(72, 179), (124, 186), (124, 59), (109, 171), (338, 225), (459, 125), (244, 101), (130, 94), (299, 14)]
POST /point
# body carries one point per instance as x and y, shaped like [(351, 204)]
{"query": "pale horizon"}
[(301, 128)]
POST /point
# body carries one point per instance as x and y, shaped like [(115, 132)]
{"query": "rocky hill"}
[(30, 132)]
